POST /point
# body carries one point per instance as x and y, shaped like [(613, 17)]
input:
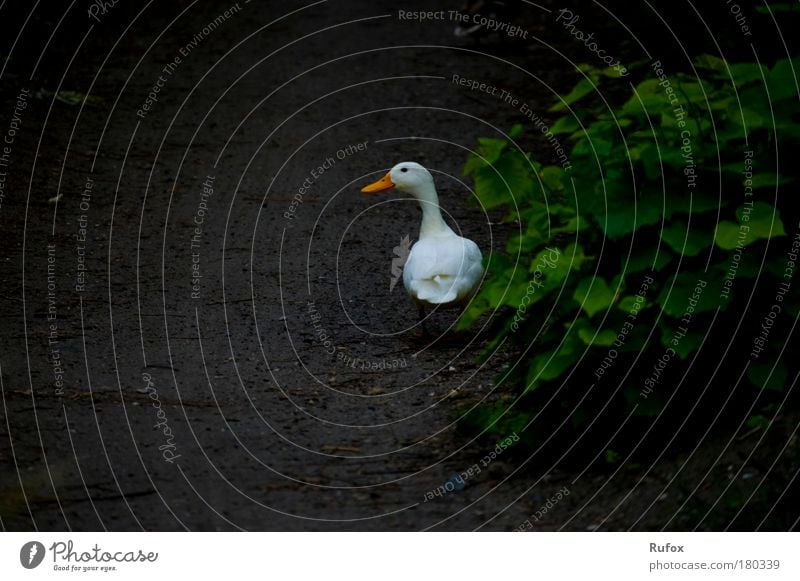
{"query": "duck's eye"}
[(404, 169)]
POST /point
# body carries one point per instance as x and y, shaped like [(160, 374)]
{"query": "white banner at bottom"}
[(399, 556)]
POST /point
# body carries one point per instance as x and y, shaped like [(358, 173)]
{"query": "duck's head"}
[(408, 176)]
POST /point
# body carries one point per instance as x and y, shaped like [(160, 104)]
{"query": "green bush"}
[(648, 246)]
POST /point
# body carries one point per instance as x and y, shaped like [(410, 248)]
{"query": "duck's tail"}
[(437, 290)]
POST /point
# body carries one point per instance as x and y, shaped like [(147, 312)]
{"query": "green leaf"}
[(728, 234), (754, 111), (686, 290), (757, 222), (593, 295), (581, 89), (694, 91), (644, 257), (782, 80), (647, 155), (549, 366), (710, 62), (565, 124), (683, 343), (767, 376), (642, 104), (651, 406), (554, 266), (769, 180), (604, 338), (776, 8), (764, 220), (627, 303), (593, 146), (744, 73), (758, 421), (507, 180), (552, 176), (685, 243), (698, 201), (614, 72), (487, 153), (623, 218)]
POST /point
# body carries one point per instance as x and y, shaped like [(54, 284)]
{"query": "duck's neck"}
[(432, 222)]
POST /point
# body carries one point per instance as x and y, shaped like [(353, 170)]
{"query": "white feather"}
[(443, 269)]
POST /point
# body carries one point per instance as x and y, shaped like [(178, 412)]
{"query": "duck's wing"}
[(442, 270)]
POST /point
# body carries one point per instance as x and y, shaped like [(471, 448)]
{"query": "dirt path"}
[(232, 355)]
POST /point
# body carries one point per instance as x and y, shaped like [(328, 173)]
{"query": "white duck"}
[(443, 268)]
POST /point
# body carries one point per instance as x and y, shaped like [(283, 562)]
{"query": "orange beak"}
[(383, 184)]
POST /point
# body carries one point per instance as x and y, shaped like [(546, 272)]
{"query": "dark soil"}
[(293, 392)]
